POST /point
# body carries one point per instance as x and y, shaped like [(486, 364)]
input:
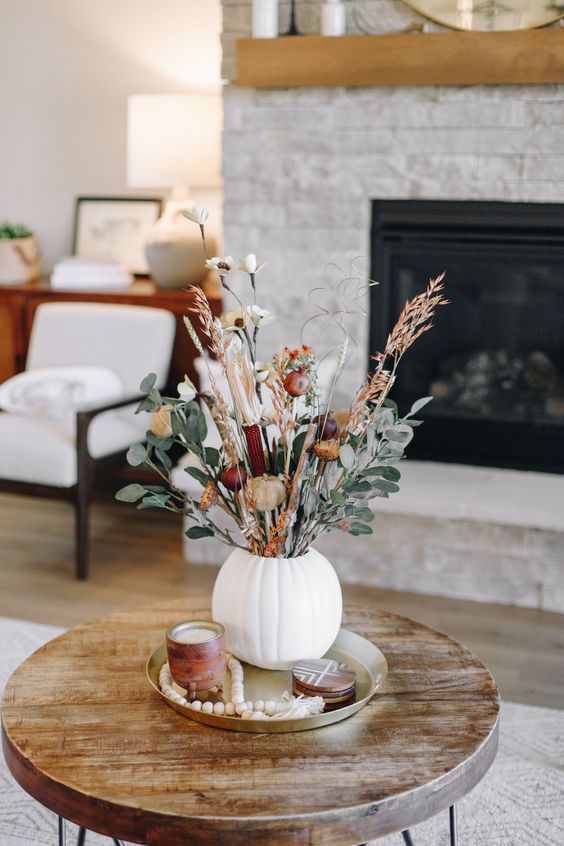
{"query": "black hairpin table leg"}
[(408, 840), (452, 822), (81, 835)]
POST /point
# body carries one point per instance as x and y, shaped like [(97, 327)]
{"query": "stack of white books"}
[(80, 274)]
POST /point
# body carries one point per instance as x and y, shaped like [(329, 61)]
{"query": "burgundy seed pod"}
[(326, 426)]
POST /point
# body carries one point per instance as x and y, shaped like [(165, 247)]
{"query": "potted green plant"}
[(19, 254)]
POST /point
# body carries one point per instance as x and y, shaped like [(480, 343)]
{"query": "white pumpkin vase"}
[(277, 611)]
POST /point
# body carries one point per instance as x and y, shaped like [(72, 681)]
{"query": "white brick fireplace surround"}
[(300, 169)]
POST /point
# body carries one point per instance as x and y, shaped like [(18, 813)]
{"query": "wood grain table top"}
[(84, 733)]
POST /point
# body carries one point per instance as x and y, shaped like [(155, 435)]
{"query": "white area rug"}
[(520, 802)]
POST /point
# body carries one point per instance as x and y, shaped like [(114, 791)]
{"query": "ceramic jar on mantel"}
[(277, 611)]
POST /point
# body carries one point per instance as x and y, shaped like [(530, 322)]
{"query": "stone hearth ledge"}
[(478, 533)]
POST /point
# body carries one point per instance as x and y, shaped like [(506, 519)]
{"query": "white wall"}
[(67, 68)]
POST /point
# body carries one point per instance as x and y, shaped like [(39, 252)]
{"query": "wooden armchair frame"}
[(79, 494)]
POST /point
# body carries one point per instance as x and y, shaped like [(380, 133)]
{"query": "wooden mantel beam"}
[(442, 58)]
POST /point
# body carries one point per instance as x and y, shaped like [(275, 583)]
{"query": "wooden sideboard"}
[(18, 304)]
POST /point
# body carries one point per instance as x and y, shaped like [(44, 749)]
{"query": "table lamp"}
[(174, 142)]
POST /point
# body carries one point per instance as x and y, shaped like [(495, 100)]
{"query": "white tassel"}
[(302, 706)]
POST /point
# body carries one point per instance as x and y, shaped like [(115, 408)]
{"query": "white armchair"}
[(47, 457)]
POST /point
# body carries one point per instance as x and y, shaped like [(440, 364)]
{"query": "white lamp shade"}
[(174, 140)]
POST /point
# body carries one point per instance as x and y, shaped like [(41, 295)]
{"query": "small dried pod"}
[(326, 450), (234, 477), (161, 425), (267, 492), (297, 383), (341, 417), (209, 497), (326, 426)]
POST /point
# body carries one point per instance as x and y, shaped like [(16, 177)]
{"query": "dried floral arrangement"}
[(289, 468)]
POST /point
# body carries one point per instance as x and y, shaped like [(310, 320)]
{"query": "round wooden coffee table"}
[(85, 735)]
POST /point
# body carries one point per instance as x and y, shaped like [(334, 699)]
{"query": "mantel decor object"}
[(333, 18), (289, 465), (19, 254), (265, 19), (173, 143), (489, 15)]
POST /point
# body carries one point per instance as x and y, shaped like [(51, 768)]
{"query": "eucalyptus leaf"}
[(195, 532), (148, 383), (418, 405), (311, 503), (146, 404), (136, 454), (360, 529), (385, 420), (164, 458), (154, 501), (391, 473), (161, 443), (130, 493), (401, 433), (359, 487), (197, 474), (211, 456), (364, 514), (385, 485), (337, 498), (346, 456)]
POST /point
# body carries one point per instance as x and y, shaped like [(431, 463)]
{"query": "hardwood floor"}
[(136, 557)]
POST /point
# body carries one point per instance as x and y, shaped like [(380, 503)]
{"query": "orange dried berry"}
[(326, 450), (306, 348), (209, 497)]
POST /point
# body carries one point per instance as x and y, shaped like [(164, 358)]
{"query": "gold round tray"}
[(363, 656)]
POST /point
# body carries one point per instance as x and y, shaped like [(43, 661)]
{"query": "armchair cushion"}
[(43, 451), (58, 392)]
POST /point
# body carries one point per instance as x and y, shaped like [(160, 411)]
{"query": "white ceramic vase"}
[(277, 611)]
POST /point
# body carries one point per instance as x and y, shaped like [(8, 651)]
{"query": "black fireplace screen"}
[(494, 360)]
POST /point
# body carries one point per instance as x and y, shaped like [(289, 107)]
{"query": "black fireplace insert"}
[(494, 360)]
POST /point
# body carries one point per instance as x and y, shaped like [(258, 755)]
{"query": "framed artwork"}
[(115, 228)]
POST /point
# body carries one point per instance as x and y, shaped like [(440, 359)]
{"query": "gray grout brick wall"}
[(300, 168)]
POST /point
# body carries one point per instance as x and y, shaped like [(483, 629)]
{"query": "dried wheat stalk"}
[(278, 533)]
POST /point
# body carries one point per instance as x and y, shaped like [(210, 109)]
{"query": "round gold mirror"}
[(487, 15)]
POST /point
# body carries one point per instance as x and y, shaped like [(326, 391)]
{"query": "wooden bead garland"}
[(289, 707)]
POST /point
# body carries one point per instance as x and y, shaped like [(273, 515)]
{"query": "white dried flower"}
[(197, 214), (250, 264), (186, 389), (222, 264), (260, 316), (231, 321), (263, 370)]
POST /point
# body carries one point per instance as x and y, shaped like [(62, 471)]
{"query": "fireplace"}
[(495, 360)]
